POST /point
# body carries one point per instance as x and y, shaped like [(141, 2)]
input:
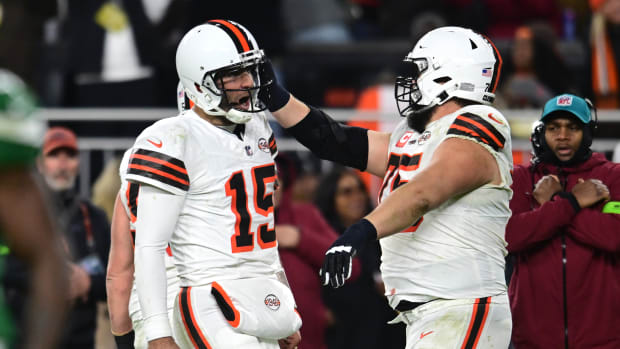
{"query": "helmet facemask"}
[(407, 91), (213, 82)]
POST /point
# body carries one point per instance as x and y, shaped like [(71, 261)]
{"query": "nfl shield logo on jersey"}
[(248, 150)]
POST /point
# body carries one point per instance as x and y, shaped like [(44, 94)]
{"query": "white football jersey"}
[(129, 195), (456, 250), (226, 227)]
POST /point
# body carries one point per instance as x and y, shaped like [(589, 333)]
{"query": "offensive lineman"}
[(443, 205), (205, 185)]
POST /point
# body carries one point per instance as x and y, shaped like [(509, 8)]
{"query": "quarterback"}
[(205, 182), (443, 206)]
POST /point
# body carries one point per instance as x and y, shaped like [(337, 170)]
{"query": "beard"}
[(60, 181), (418, 120)]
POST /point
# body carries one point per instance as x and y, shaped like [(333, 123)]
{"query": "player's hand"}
[(590, 192), (290, 342), (79, 283), (273, 95), (288, 235), (545, 188), (339, 257), (163, 343)]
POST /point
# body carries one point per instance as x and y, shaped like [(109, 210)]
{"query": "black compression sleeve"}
[(125, 341), (331, 140)]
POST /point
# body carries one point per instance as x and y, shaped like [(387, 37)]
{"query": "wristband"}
[(125, 341), (361, 233), (278, 97)]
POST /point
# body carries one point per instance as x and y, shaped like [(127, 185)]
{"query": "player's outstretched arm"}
[(119, 277), (355, 147), (29, 232), (458, 166)]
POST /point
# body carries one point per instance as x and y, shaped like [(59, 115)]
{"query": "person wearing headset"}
[(564, 236)]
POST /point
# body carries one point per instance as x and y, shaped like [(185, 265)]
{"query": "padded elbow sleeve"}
[(331, 140)]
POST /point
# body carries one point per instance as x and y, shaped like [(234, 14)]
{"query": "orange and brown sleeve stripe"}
[(476, 324), (474, 127), (132, 200), (273, 147), (160, 167), (189, 320)]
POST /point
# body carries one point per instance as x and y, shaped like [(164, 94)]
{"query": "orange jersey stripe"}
[(471, 132), (158, 161), (484, 129), (161, 173)]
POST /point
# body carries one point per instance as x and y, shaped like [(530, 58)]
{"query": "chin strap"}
[(238, 116)]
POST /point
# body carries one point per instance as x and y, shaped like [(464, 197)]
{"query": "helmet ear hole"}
[(442, 80), (197, 87)]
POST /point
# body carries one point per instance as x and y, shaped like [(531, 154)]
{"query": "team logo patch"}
[(263, 145), (248, 150), (565, 100), (272, 302), (424, 137)]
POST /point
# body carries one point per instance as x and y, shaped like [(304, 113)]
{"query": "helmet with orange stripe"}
[(445, 63), (213, 53)]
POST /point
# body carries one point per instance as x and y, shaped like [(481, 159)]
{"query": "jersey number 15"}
[(243, 239)]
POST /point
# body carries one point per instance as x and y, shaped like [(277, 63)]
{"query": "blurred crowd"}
[(113, 53)]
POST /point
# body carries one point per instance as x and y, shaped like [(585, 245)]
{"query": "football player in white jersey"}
[(122, 296), (127, 322), (443, 206), (205, 181)]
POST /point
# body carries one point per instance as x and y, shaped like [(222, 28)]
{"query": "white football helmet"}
[(448, 62), (183, 103), (213, 50)]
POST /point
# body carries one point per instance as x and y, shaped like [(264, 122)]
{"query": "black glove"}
[(273, 95), (125, 341), (339, 257)]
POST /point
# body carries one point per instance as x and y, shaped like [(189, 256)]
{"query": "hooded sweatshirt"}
[(565, 289)]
